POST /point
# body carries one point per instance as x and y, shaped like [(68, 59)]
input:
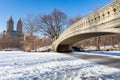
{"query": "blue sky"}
[(22, 8)]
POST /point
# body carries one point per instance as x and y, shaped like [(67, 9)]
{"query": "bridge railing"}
[(100, 16)]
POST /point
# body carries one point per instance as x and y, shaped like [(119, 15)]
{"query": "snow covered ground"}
[(108, 53), (16, 65), (115, 54)]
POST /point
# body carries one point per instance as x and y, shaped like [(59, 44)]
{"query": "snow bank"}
[(52, 66), (107, 47), (44, 49), (115, 54)]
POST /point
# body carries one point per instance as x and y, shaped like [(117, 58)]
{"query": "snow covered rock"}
[(44, 49)]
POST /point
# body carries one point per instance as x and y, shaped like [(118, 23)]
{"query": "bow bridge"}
[(101, 22)]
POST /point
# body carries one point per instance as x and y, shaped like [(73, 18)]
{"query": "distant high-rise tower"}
[(10, 25), (10, 29), (19, 26)]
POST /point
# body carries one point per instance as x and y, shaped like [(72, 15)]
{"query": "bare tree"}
[(52, 24), (30, 25), (74, 20), (96, 8), (9, 42), (31, 29)]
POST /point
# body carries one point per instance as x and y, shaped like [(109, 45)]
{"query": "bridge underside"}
[(65, 45)]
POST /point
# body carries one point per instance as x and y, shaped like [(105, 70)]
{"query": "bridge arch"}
[(102, 22), (66, 44)]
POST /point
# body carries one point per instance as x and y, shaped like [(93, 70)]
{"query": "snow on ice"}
[(51, 66), (115, 54)]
